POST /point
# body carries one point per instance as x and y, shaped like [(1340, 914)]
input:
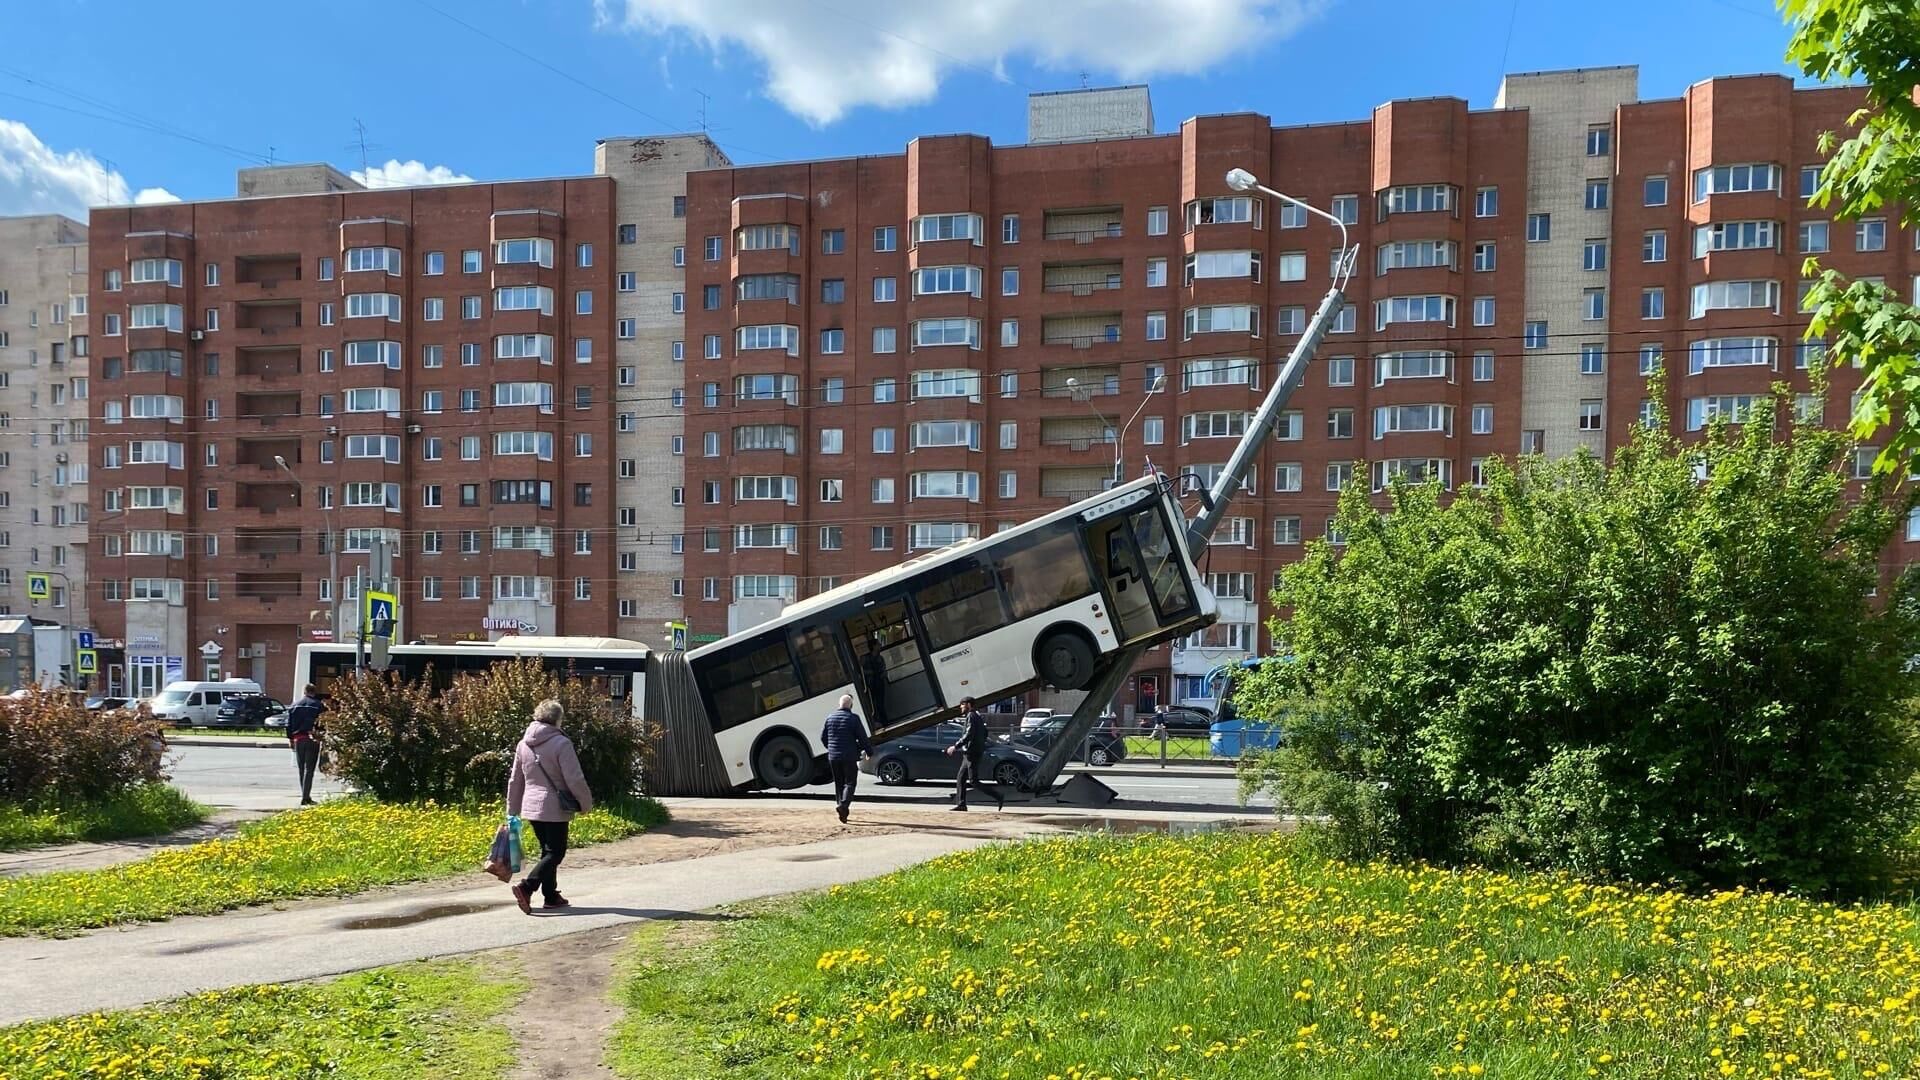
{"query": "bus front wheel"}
[(783, 761), (1065, 659)]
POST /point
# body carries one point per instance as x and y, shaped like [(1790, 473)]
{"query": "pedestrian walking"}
[(546, 788), (303, 735), (846, 741), (969, 748)]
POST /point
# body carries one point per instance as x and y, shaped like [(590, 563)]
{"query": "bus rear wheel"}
[(1064, 659), (783, 761)]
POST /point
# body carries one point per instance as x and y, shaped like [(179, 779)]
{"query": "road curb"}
[(263, 742)]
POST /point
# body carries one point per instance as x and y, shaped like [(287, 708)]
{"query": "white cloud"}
[(37, 179), (821, 62), (397, 173)]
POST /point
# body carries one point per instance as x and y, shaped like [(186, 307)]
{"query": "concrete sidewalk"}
[(122, 968)]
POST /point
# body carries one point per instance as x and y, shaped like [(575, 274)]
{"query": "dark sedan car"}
[(108, 704), (1184, 720), (923, 756), (251, 710), (1103, 745)]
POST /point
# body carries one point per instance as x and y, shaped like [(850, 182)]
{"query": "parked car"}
[(923, 756), (1033, 718), (1184, 720), (191, 703), (108, 704), (251, 710), (1103, 746)]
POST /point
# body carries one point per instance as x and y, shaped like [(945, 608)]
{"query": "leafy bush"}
[(54, 752), (1672, 669), (403, 742)]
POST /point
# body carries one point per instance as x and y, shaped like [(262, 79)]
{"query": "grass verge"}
[(1243, 956), (436, 1020), (340, 847), (145, 810), (1146, 748)]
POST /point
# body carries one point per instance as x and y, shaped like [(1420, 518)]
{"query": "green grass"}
[(1179, 748), (340, 847), (440, 1021), (146, 810), (1237, 956)]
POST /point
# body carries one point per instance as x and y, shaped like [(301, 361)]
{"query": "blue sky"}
[(93, 110)]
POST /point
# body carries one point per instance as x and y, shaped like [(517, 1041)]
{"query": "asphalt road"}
[(262, 778)]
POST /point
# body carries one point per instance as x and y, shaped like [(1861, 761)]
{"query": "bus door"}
[(1142, 571), (890, 664), (1124, 575)]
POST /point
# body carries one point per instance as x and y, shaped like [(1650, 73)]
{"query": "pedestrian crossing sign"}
[(86, 662), (382, 612), (39, 586)]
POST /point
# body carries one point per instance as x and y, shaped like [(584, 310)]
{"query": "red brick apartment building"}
[(433, 365), (886, 353)]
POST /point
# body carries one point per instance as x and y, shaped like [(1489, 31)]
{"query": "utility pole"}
[(360, 616)]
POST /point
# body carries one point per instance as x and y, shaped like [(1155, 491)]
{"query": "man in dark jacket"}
[(970, 748), (846, 741), (304, 736)]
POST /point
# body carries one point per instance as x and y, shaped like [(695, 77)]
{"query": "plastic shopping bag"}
[(503, 859)]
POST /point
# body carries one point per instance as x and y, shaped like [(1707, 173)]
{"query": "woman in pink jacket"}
[(546, 788)]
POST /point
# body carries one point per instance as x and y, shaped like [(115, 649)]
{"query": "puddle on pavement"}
[(1124, 826), (414, 918), (807, 858)]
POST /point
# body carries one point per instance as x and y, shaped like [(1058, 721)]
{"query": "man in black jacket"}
[(846, 741), (304, 736), (970, 747)]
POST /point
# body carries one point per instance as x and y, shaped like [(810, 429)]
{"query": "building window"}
[(1486, 202), (1653, 246), (1539, 228), (1157, 273), (1156, 326), (1483, 311), (1483, 257), (1651, 356), (1653, 191), (1010, 229), (1593, 359), (1653, 302), (885, 289), (1813, 237), (833, 241), (1339, 423), (1340, 371), (1594, 255), (1599, 141), (1483, 367), (1590, 414), (1157, 221), (1597, 193), (1482, 419), (1594, 304), (1870, 234)]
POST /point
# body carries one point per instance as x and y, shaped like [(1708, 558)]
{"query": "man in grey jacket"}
[(546, 788)]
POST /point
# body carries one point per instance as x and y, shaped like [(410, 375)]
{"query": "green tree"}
[(1673, 668), (1873, 170)]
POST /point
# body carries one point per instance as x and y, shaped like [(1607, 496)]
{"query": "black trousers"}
[(553, 847), (306, 758), (969, 776), (846, 776)]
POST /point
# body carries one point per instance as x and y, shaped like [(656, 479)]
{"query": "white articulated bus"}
[(616, 664), (1037, 604)]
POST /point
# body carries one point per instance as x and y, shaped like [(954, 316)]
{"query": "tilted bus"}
[(1035, 605)]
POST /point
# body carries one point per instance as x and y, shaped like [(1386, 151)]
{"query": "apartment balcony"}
[(1083, 278), (270, 595), (257, 454), (264, 323), (1076, 432), (268, 366), (267, 545), (1084, 225), (265, 498), (265, 277), (1100, 380), (267, 410), (1076, 482), (1081, 331)]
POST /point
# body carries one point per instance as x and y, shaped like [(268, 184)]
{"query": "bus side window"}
[(966, 603), (820, 663), (1044, 576), (753, 683)]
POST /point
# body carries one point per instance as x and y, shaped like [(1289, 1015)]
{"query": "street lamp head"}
[(1159, 383), (280, 461), (1241, 180)]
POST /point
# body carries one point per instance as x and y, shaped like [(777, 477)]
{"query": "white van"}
[(197, 703)]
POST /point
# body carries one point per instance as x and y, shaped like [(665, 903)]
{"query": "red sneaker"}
[(521, 897)]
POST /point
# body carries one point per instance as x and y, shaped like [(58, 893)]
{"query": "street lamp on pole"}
[(333, 556), (1242, 180), (1084, 395), (1120, 441)]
